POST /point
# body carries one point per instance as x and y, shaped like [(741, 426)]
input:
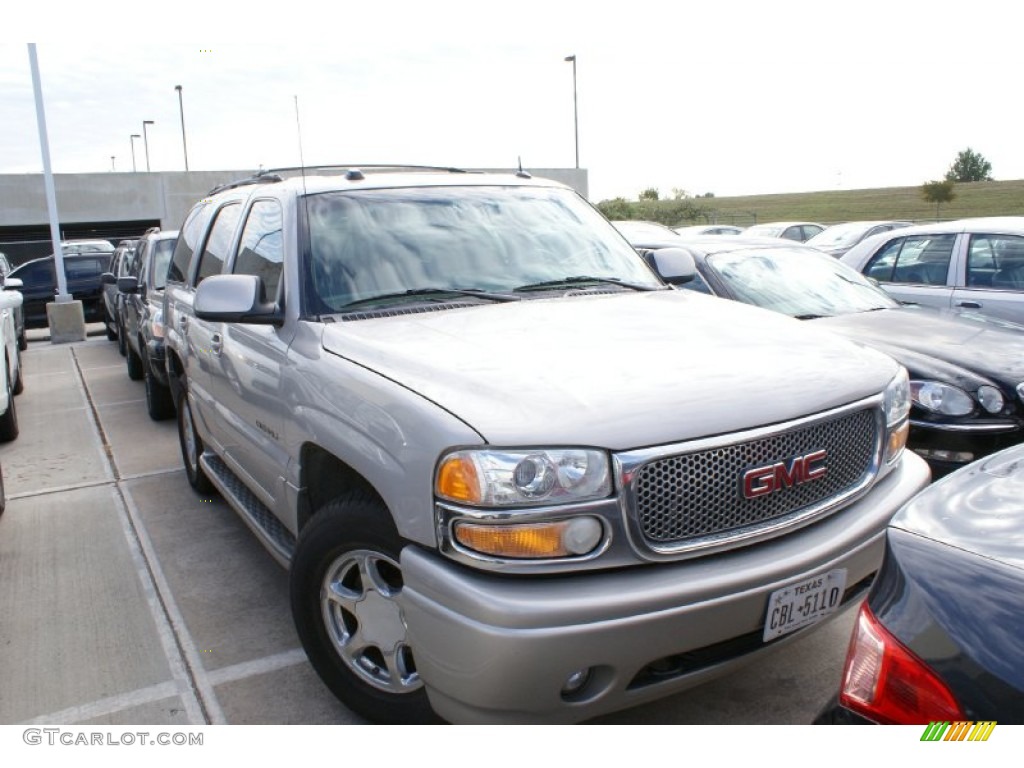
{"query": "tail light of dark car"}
[(885, 682)]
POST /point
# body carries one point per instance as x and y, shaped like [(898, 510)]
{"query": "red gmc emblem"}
[(762, 481)]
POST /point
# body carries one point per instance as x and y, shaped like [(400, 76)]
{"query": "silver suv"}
[(517, 477)]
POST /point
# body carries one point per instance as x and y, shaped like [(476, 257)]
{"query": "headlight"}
[(897, 411), (991, 399), (941, 398), (496, 478)]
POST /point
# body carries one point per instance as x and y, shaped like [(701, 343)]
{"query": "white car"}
[(970, 265), (11, 382)]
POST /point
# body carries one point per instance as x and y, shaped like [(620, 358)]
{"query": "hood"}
[(617, 371), (967, 350), (976, 509)]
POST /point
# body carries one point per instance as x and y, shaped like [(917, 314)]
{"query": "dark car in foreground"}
[(39, 285), (940, 637), (120, 265), (142, 326), (967, 372)]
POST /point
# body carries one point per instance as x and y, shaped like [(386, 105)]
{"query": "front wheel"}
[(159, 404), (135, 368), (345, 584), (9, 420)]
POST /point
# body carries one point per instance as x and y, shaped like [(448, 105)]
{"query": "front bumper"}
[(494, 648), (947, 447)]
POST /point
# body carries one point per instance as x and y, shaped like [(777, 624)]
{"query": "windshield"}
[(801, 283), (162, 251), (384, 242), (839, 236)]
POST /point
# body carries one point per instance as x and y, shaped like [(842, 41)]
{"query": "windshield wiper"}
[(810, 317), (477, 293), (582, 280)]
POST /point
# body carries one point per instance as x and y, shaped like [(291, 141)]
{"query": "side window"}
[(918, 260), (81, 269), (133, 266), (39, 275), (792, 233), (261, 249), (218, 241), (883, 263), (1000, 261), (191, 231), (697, 284)]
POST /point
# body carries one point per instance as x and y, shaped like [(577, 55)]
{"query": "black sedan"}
[(940, 638), (967, 372)]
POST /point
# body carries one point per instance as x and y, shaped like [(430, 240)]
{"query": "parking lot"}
[(127, 599)]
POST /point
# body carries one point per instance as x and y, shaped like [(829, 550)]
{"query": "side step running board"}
[(275, 537)]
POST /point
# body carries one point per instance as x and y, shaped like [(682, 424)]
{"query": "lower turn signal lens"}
[(564, 538)]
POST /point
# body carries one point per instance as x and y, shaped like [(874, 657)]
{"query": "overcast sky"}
[(723, 96)]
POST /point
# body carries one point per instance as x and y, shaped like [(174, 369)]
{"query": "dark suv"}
[(142, 312), (120, 265), (39, 285)]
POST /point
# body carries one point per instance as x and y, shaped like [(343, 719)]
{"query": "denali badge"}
[(762, 481)]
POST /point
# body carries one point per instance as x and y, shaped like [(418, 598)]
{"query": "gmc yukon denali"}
[(514, 474)]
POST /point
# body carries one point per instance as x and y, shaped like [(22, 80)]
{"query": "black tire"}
[(122, 346), (159, 404), (191, 451), (109, 326), (19, 383), (9, 421), (352, 545), (136, 370), (22, 341)]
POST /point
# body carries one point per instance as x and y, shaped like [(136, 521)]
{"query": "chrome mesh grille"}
[(695, 495)]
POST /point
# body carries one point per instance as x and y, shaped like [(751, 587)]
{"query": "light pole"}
[(575, 111), (134, 136), (145, 140), (112, 166), (181, 108)]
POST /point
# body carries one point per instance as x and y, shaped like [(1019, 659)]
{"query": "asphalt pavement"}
[(127, 599)]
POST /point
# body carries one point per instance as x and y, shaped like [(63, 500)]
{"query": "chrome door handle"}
[(216, 344), (969, 304)]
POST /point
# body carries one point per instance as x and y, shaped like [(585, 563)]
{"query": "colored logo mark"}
[(959, 731)]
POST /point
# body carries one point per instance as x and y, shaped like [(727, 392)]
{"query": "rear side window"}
[(260, 251), (919, 260), (218, 242), (191, 231), (992, 259)]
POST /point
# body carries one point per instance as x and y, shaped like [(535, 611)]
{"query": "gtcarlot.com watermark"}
[(76, 738)]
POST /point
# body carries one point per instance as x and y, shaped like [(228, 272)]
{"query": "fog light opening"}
[(576, 683)]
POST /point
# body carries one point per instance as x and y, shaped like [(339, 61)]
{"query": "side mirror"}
[(108, 278), (13, 284), (128, 284), (674, 265), (234, 299)]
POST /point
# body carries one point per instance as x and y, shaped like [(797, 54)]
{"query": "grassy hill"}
[(982, 198)]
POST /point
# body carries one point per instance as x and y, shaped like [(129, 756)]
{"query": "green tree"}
[(969, 166), (617, 209), (938, 192), (649, 194)]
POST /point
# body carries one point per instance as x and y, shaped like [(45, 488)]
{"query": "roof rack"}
[(370, 166), (261, 177)]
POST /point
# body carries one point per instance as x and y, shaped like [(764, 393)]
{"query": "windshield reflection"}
[(800, 283)]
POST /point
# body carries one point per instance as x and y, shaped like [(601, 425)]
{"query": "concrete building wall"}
[(163, 196)]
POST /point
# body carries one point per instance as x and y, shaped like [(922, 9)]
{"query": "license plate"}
[(804, 603)]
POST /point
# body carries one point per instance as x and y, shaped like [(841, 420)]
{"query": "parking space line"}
[(121, 402), (108, 705), (257, 667), (179, 648), (152, 473), (58, 489)]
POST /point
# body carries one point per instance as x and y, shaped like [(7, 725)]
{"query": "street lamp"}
[(181, 108), (575, 111), (134, 136), (112, 166), (145, 140)]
